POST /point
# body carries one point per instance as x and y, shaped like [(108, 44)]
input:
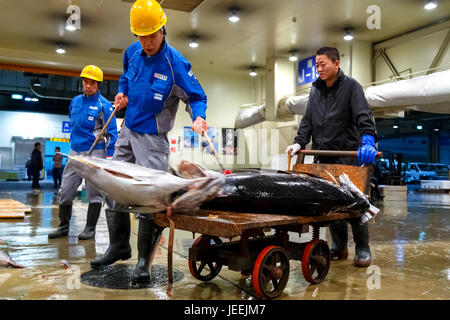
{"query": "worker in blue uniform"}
[(155, 78), (88, 114)]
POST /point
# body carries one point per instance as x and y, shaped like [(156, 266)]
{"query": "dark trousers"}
[(35, 174), (57, 177)]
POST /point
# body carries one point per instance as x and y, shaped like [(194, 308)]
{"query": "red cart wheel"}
[(316, 261), (197, 268), (271, 272)]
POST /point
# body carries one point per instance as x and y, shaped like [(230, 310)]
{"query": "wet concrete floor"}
[(410, 243)]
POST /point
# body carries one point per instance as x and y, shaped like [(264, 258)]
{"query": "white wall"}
[(30, 124), (226, 94)]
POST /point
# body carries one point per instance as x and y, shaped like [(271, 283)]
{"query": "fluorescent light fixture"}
[(17, 96), (419, 127), (34, 99), (70, 28), (193, 43), (348, 36), (234, 17), (253, 72), (430, 5), (395, 126), (293, 57), (28, 99)]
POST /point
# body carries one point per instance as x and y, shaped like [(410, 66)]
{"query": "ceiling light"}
[(430, 5), (293, 57), (17, 96), (27, 99), (193, 43), (253, 72), (234, 17), (70, 28), (436, 129), (395, 126), (34, 99), (419, 127), (60, 50), (348, 36)]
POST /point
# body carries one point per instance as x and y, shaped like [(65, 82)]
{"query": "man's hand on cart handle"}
[(293, 149)]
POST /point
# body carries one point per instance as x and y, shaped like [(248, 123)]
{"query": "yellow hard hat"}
[(92, 72), (146, 17)]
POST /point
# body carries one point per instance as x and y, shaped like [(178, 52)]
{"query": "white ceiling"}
[(31, 29)]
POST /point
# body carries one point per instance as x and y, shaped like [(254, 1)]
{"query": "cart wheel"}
[(197, 268), (271, 272), (316, 261)]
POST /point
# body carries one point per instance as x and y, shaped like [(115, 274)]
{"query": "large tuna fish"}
[(137, 186), (285, 193), (192, 186)]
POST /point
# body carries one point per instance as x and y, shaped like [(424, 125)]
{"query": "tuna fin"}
[(173, 171), (118, 174), (332, 177), (63, 154)]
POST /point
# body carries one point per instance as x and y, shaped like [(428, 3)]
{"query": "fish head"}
[(202, 190)]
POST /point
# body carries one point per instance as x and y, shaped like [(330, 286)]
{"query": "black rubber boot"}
[(65, 213), (339, 237), (362, 249), (91, 222), (119, 239), (149, 235)]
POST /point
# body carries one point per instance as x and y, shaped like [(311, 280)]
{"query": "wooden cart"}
[(266, 257)]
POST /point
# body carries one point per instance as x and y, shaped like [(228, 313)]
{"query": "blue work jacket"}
[(88, 115), (155, 85)]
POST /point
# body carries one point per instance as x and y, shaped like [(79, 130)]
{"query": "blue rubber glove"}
[(367, 152)]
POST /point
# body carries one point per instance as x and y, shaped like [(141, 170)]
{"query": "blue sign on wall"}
[(307, 71), (66, 127)]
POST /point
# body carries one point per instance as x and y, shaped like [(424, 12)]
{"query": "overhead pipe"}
[(250, 116)]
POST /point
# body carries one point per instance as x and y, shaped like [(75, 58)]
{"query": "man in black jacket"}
[(337, 117), (36, 164)]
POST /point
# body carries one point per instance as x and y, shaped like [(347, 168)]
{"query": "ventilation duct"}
[(250, 116), (425, 91), (292, 105)]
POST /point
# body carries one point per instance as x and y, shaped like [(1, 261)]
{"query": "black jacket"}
[(336, 117), (36, 160)]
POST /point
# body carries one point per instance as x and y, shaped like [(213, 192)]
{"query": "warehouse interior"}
[(253, 73)]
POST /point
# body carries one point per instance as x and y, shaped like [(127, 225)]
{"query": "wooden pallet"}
[(11, 209)]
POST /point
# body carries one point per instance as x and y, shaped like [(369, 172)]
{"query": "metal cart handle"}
[(326, 153)]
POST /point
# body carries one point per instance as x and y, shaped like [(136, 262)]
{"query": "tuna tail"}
[(361, 198)]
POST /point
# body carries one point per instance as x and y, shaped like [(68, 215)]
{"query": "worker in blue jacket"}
[(155, 78), (88, 114)]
